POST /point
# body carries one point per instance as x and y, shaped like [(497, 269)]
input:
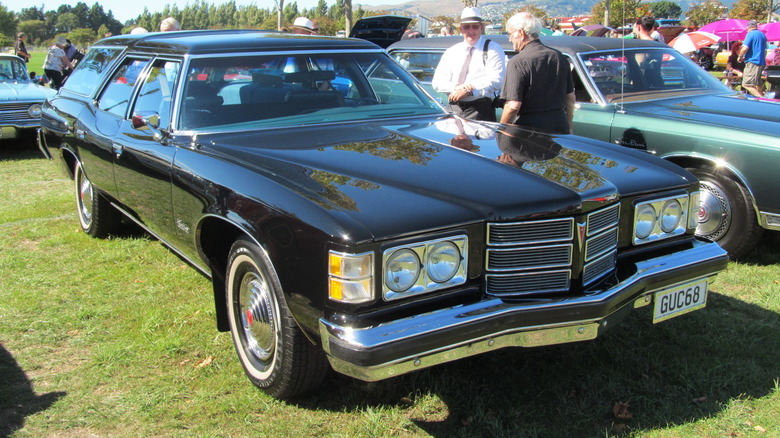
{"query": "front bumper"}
[(429, 339)]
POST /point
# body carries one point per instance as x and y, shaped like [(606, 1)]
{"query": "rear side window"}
[(88, 73), (116, 96)]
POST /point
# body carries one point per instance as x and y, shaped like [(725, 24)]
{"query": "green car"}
[(648, 96)]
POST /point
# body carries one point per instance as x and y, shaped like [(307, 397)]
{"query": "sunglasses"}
[(470, 26)]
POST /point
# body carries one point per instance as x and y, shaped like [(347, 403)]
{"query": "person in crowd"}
[(657, 35), (446, 30), (303, 26), (471, 71), (315, 29), (643, 28), (556, 28), (539, 89), (734, 67), (56, 62), (138, 30), (170, 24), (70, 50), (20, 49), (753, 54)]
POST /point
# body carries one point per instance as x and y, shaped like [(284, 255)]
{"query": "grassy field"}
[(116, 338)]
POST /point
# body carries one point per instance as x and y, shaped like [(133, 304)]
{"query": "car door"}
[(142, 157)]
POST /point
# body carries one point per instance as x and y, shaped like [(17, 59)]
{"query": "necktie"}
[(464, 71)]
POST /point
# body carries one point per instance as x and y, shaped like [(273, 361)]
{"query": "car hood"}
[(381, 30), (718, 109), (384, 176), (24, 91)]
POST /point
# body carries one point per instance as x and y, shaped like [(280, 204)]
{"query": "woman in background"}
[(56, 62)]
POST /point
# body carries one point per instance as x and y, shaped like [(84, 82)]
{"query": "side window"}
[(157, 90), (116, 97), (87, 75)]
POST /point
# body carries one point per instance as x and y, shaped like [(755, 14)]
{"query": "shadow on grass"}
[(767, 252), (21, 149), (676, 372), (17, 397)]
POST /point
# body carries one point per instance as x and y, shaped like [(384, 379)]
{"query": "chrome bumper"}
[(429, 339)]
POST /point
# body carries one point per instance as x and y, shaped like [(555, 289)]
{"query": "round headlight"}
[(443, 262), (671, 215), (34, 110), (402, 270), (645, 221)]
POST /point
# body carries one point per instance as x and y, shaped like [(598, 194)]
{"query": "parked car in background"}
[(344, 217), (647, 96), (20, 99)]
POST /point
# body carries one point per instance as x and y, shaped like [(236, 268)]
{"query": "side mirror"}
[(151, 121)]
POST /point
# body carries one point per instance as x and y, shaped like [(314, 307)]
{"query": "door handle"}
[(80, 134), (118, 149)]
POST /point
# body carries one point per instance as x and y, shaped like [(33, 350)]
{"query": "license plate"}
[(679, 300)]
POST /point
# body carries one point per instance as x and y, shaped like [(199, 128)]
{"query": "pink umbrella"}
[(693, 41), (730, 30), (772, 31)]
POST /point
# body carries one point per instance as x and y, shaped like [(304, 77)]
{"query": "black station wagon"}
[(346, 219)]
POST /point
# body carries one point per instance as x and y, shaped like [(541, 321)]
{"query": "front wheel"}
[(96, 216), (274, 352), (726, 213)]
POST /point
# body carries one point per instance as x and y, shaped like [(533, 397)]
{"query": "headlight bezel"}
[(425, 282), (670, 217)]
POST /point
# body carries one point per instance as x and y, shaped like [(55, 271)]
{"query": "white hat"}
[(470, 15), (303, 23), (61, 41), (138, 30)]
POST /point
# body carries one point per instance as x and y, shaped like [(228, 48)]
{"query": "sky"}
[(126, 9)]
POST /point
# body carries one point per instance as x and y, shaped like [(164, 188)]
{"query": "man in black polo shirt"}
[(538, 89)]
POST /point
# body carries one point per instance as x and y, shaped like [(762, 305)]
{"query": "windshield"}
[(12, 69), (304, 89), (648, 73)]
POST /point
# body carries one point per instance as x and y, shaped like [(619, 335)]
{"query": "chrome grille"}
[(539, 257), (502, 259), (596, 269), (531, 232), (597, 245), (603, 219), (529, 283), (15, 112)]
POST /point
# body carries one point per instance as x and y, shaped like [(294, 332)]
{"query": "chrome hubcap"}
[(85, 199), (257, 316), (714, 212)]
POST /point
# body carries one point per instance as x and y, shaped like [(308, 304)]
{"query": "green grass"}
[(116, 338)]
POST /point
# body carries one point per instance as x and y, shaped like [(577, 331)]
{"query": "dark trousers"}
[(55, 77), (479, 109)]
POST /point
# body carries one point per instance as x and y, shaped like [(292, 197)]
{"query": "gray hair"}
[(169, 24), (526, 22)]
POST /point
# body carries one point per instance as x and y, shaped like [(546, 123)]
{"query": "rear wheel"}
[(96, 216), (726, 213), (274, 352)]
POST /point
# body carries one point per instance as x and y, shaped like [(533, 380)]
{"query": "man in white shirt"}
[(471, 72)]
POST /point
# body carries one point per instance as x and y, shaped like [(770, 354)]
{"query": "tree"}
[(749, 10), (621, 12), (665, 9), (32, 13), (534, 10), (67, 22), (470, 3), (34, 29), (706, 12), (348, 15), (82, 37), (7, 24)]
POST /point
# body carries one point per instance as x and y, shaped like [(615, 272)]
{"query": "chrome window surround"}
[(424, 284)]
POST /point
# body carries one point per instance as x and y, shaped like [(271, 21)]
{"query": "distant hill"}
[(494, 9)]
